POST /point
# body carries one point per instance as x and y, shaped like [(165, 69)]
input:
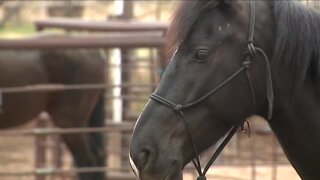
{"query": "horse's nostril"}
[(145, 158)]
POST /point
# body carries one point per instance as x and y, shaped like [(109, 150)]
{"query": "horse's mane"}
[(297, 43)]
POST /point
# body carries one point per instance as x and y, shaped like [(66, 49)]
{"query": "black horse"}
[(220, 79)]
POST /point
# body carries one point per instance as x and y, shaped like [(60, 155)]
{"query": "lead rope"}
[(178, 108), (253, 51), (270, 94)]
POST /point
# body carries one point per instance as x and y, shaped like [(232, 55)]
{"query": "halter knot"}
[(201, 178), (251, 49), (178, 107), (246, 64)]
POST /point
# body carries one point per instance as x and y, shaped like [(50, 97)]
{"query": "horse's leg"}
[(97, 140), (78, 108), (81, 109), (84, 156)]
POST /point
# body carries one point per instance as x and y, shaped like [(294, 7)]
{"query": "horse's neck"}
[(297, 127)]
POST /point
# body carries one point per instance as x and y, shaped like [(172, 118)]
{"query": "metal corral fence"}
[(48, 152), (50, 156)]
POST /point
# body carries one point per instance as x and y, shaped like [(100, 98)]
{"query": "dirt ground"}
[(284, 172), (17, 155)]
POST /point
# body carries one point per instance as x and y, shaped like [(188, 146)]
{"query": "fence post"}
[(40, 147), (57, 154)]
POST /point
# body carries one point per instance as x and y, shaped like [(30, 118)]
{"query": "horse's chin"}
[(179, 177), (172, 172), (169, 176)]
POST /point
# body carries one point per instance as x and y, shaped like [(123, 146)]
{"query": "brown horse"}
[(68, 109)]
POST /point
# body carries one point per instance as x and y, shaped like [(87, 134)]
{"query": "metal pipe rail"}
[(66, 172), (126, 40), (64, 87), (100, 26), (123, 127)]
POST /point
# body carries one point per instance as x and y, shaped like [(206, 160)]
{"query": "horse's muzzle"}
[(148, 164)]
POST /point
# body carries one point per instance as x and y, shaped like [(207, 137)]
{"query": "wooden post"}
[(57, 153), (153, 68), (115, 139), (114, 150), (126, 72), (125, 60)]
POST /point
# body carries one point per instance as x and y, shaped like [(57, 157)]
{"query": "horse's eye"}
[(201, 55)]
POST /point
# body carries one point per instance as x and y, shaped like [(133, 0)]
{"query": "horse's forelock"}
[(183, 19)]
